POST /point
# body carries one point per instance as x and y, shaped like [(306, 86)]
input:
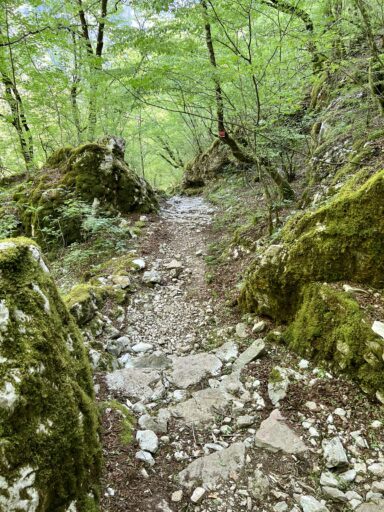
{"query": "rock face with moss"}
[(93, 173), (340, 241), (206, 166), (343, 240), (50, 452), (330, 326)]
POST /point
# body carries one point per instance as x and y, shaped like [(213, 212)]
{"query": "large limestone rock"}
[(275, 435), (343, 240), (190, 370), (215, 468), (376, 506), (50, 453), (206, 166), (202, 407), (135, 383), (90, 172), (340, 241)]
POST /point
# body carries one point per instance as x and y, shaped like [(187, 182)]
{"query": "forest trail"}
[(208, 417)]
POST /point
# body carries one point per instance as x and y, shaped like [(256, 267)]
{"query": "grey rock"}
[(145, 457), (134, 383), (139, 263), (249, 355), (245, 421), (348, 476), (198, 494), (227, 352), (126, 361), (148, 440), (259, 327), (179, 395), (277, 387), (377, 506), (274, 435), (148, 422), (152, 277), (378, 487), (280, 507), (163, 507), (213, 447), (230, 383), (373, 496), (214, 468), (174, 265), (118, 346), (202, 407), (177, 496), (154, 361), (378, 328), (328, 479), (334, 494), (311, 504), (4, 316), (141, 347), (242, 330), (122, 281), (377, 469), (353, 495), (334, 453), (190, 370)]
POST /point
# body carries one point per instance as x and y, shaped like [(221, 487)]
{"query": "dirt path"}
[(214, 432)]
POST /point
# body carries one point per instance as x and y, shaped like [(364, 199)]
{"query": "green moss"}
[(318, 87), (84, 173), (330, 326), (127, 424), (341, 240), (53, 425), (121, 265), (85, 299), (275, 376)]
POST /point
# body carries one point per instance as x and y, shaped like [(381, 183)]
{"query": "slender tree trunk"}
[(294, 10), (238, 152), (15, 103), (75, 92), (376, 65), (95, 61)]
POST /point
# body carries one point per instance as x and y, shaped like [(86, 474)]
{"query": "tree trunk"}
[(238, 152), (294, 10), (376, 65), (95, 61), (75, 92)]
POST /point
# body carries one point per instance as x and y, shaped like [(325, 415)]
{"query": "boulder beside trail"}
[(50, 452), (94, 173), (206, 166)]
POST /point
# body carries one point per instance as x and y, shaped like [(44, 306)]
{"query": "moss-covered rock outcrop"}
[(206, 166), (90, 172), (49, 441), (330, 326), (342, 240)]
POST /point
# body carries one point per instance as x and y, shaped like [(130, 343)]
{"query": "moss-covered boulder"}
[(206, 166), (93, 173), (49, 440), (330, 326), (342, 240)]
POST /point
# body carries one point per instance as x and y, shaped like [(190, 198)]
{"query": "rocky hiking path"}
[(224, 421)]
